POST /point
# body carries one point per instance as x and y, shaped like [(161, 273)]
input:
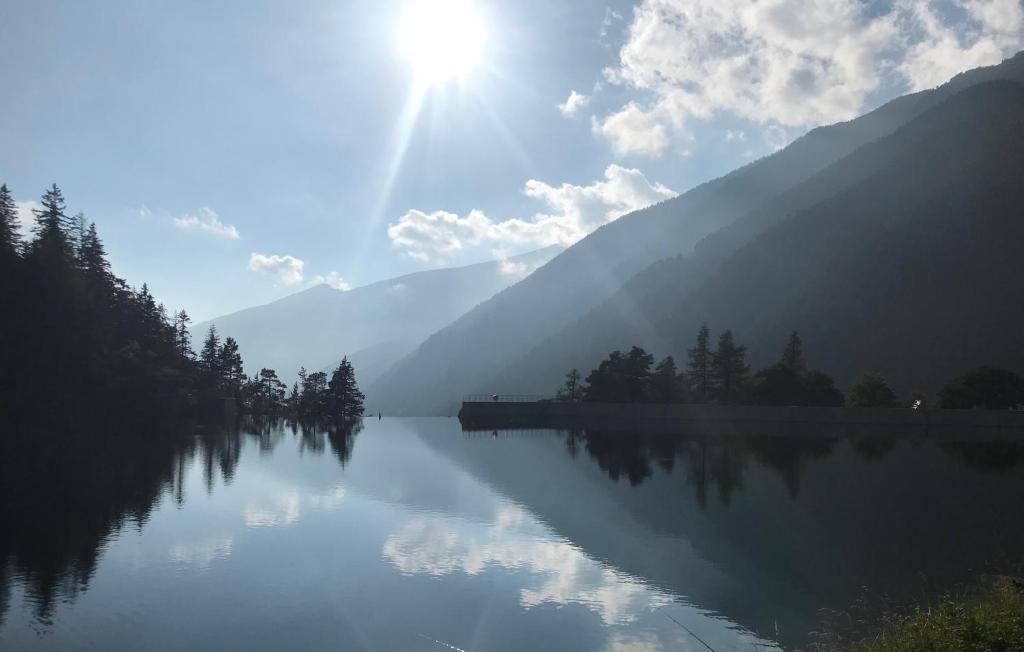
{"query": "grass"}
[(990, 618)]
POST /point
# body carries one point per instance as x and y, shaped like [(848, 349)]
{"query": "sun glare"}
[(442, 39)]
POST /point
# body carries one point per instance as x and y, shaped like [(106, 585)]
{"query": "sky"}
[(234, 152)]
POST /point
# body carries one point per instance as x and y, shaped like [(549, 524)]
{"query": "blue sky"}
[(234, 152)]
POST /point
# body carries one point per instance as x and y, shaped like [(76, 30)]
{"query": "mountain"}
[(375, 325), (901, 259), (487, 348)]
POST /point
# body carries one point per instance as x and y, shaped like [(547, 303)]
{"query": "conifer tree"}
[(10, 237), (51, 227), (793, 355), (572, 389), (93, 256), (346, 401), (229, 362), (665, 382), (701, 368), (182, 338), (209, 356), (731, 368)]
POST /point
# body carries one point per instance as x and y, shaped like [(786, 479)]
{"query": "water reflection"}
[(412, 532)]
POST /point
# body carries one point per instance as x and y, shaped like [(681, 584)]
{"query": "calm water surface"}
[(412, 535)]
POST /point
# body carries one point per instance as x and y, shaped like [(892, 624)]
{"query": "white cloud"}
[(735, 135), (789, 62), (205, 220), (634, 131), (26, 218), (575, 212), (939, 51), (573, 103), (286, 270), (334, 280)]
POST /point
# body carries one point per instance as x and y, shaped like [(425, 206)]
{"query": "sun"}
[(441, 39)]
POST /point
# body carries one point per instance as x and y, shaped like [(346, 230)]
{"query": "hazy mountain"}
[(904, 260), (486, 349), (375, 325)]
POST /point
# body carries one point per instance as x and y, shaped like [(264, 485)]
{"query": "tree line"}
[(77, 342), (722, 375)]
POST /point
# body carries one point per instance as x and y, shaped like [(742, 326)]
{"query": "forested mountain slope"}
[(486, 349), (905, 261)]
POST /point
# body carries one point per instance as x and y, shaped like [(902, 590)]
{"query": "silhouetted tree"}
[(182, 337), (346, 401), (10, 236), (731, 368), (790, 382), (666, 385), (621, 377), (229, 362), (572, 390), (871, 391), (989, 388), (209, 357), (701, 367)]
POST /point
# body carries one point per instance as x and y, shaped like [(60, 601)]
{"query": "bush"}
[(989, 388), (872, 391)]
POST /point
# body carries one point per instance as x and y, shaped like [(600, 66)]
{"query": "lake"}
[(410, 534)]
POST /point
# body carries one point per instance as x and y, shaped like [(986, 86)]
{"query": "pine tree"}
[(793, 355), (346, 401), (10, 237), (665, 382), (229, 361), (209, 357), (51, 227), (700, 366), (731, 368), (93, 256), (572, 389), (77, 234), (182, 338)]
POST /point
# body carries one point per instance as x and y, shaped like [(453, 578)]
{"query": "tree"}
[(701, 372), (793, 354), (346, 401), (572, 389), (731, 368), (209, 357), (269, 393), (790, 382), (182, 338), (314, 400), (229, 362), (621, 378), (989, 388), (51, 227), (871, 391), (93, 256), (10, 236), (666, 385)]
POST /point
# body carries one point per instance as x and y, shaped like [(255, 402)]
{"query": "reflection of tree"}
[(62, 494), (989, 455), (790, 455), (719, 463), (873, 449)]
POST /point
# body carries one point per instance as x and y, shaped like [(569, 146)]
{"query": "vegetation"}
[(990, 619), (77, 341), (984, 387), (721, 376), (872, 391)]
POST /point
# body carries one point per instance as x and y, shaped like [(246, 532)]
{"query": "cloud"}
[(573, 103), (286, 270), (575, 211), (634, 131), (26, 218), (560, 572), (205, 220), (789, 62), (334, 280)]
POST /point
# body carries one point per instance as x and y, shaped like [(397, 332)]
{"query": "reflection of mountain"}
[(375, 325), (764, 532)]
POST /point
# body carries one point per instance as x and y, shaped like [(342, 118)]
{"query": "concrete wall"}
[(742, 420)]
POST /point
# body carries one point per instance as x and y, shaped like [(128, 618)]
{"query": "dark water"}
[(412, 535)]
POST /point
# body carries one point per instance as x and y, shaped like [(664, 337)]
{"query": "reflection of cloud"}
[(201, 553), (287, 507), (282, 511), (329, 500), (438, 546)]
